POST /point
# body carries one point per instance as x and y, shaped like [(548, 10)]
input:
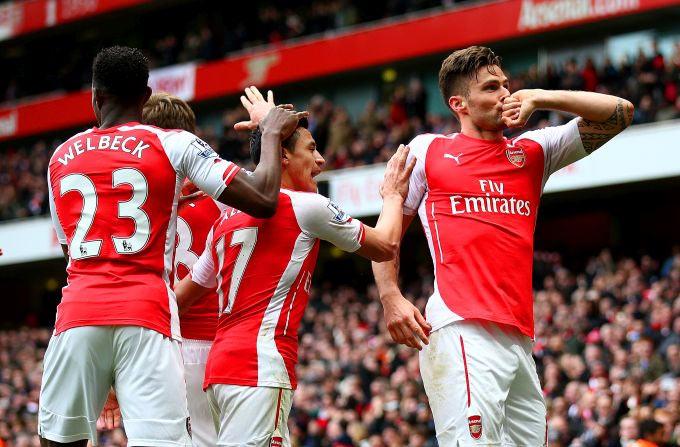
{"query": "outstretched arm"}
[(382, 242), (602, 116), (187, 292)]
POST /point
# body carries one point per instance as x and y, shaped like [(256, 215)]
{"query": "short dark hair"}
[(649, 427), (288, 143), (122, 72), (460, 66)]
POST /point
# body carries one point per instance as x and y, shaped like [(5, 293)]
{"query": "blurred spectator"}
[(652, 434), (373, 136), (609, 376)]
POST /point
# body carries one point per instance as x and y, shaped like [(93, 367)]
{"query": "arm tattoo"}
[(594, 134)]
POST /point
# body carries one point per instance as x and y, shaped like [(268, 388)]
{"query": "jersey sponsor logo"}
[(339, 215), (203, 148), (277, 441), (492, 200), (516, 156), (456, 158), (475, 426)]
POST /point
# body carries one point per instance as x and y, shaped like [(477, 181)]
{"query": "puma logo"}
[(454, 157)]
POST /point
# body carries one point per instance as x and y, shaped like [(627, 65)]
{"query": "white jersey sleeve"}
[(195, 159), (53, 211), (203, 272), (561, 145), (417, 186), (319, 217)]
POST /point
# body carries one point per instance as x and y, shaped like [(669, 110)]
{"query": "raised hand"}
[(257, 108), (518, 107), (397, 174)]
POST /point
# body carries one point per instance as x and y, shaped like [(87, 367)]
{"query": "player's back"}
[(264, 270), (195, 218), (114, 197)]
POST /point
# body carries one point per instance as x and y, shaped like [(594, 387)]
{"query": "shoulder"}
[(551, 134), (311, 207), (421, 143), (64, 146), (163, 135)]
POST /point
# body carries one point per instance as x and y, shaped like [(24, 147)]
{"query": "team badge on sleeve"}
[(203, 148), (339, 215)]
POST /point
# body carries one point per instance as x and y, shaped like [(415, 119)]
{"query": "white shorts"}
[(251, 416), (195, 355), (482, 385), (144, 367)]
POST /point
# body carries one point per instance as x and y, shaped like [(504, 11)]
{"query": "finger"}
[(244, 125), (512, 106), (301, 115), (406, 335), (251, 95), (510, 99), (257, 93), (286, 106), (404, 150), (270, 97), (418, 331), (409, 167), (427, 327), (247, 104)]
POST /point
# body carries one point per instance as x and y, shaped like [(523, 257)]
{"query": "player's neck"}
[(116, 117), (286, 182), (472, 131)]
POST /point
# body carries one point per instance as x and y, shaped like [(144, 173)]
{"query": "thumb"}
[(244, 125)]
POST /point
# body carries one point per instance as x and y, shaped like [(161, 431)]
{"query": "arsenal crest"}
[(475, 425), (277, 441), (516, 156)]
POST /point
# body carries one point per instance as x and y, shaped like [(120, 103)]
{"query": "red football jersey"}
[(477, 201), (113, 198), (195, 218), (262, 269)]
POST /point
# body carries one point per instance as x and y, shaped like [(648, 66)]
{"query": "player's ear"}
[(284, 156), (457, 104), (147, 94)]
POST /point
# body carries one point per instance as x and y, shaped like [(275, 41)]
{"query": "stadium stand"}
[(652, 82), (203, 38), (608, 354)]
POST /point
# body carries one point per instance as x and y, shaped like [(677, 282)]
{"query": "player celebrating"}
[(262, 270), (195, 216), (477, 196), (113, 196)]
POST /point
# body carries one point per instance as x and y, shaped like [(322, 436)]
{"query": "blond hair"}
[(168, 112)]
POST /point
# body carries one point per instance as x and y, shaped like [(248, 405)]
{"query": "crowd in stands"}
[(651, 82), (214, 30), (607, 352)]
